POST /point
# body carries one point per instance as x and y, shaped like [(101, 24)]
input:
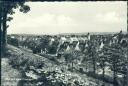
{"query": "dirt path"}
[(10, 76)]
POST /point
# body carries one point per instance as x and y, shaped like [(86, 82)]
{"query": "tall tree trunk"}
[(4, 35), (127, 70), (127, 48), (127, 20), (114, 78), (0, 41), (94, 65), (103, 73), (124, 80), (0, 34), (103, 76), (72, 66)]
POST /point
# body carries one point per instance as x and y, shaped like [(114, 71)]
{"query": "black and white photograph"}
[(66, 43)]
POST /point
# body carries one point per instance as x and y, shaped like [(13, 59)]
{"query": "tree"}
[(44, 43), (0, 32), (115, 59), (53, 47), (0, 39), (92, 54), (7, 7), (124, 70), (103, 59), (71, 55)]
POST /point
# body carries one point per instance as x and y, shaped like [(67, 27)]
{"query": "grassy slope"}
[(9, 72), (10, 76)]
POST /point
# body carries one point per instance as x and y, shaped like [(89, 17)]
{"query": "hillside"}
[(20, 73)]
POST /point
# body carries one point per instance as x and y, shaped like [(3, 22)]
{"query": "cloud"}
[(110, 17), (63, 20), (47, 20), (62, 17), (46, 23)]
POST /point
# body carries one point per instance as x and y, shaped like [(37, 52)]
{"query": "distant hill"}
[(84, 33), (92, 33)]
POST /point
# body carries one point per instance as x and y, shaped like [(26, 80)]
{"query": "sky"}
[(70, 17)]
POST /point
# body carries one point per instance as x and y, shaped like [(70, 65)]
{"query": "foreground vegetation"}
[(45, 72), (102, 64)]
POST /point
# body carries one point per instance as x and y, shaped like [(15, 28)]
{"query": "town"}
[(67, 43), (102, 58)]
